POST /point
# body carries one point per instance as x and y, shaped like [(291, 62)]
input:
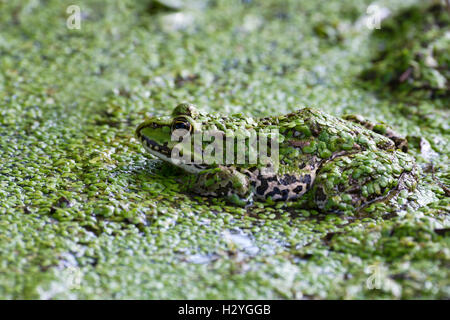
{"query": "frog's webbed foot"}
[(352, 182), (224, 182), (380, 128)]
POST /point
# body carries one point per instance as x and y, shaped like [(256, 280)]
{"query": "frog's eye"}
[(181, 124)]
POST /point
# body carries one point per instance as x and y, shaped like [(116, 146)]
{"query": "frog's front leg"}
[(380, 128), (224, 182)]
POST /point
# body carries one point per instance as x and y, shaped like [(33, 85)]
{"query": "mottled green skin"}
[(78, 193), (344, 162)]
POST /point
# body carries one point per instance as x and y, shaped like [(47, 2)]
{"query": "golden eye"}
[(181, 124)]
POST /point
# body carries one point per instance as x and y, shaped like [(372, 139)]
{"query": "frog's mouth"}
[(160, 150), (164, 152)]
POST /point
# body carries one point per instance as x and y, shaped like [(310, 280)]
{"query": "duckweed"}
[(80, 197)]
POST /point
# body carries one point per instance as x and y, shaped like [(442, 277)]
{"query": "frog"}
[(334, 164)]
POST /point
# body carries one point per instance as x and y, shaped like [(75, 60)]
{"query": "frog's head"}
[(187, 136), (157, 133)]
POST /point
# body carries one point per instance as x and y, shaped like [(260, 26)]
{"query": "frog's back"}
[(309, 139)]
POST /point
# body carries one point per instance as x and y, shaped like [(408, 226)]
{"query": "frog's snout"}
[(146, 123), (137, 132)]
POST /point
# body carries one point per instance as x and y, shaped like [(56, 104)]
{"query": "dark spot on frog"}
[(306, 179), (268, 179), (288, 179), (276, 191), (284, 194), (263, 187)]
